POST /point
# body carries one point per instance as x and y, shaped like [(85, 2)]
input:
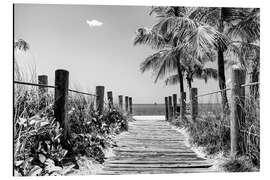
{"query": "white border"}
[(6, 83)]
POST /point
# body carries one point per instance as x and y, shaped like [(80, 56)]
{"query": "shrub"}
[(213, 133), (38, 138)]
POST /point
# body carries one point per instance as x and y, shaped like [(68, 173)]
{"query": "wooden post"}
[(61, 100), (194, 103), (43, 79), (120, 102), (130, 105), (100, 99), (182, 105), (126, 103), (110, 99), (237, 108), (174, 105), (42, 91), (170, 109), (166, 109)]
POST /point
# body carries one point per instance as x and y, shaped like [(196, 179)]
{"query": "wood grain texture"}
[(153, 147)]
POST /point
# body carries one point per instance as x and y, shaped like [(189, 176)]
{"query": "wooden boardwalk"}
[(152, 146)]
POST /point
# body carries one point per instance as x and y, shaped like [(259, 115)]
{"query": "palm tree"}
[(175, 35), (165, 60), (245, 36), (20, 45), (197, 72), (221, 18)]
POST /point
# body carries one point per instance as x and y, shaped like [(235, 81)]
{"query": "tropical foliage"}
[(39, 145), (201, 34), (185, 39), (176, 36)]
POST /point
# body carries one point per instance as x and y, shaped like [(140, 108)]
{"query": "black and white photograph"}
[(135, 89)]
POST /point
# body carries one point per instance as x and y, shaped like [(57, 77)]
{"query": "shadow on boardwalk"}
[(152, 146)]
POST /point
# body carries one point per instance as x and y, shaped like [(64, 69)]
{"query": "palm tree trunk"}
[(221, 69), (254, 77), (189, 84), (189, 88), (222, 81), (180, 76), (179, 68)]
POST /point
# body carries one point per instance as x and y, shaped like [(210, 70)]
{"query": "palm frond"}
[(206, 73), (179, 26), (205, 38), (21, 44), (208, 15), (159, 11), (149, 37), (243, 54), (167, 65), (230, 14), (172, 80), (152, 61), (248, 28)]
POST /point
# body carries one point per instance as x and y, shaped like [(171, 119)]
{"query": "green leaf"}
[(35, 171), (18, 163), (41, 158)]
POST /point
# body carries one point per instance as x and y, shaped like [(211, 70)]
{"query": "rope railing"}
[(227, 89), (214, 92), (50, 86), (33, 84), (237, 108), (84, 93), (250, 84), (70, 90), (61, 98)]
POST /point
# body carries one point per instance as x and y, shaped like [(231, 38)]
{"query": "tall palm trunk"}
[(179, 70), (254, 77), (189, 83), (221, 69)]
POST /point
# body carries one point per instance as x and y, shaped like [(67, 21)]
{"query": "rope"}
[(227, 89), (250, 84), (33, 84), (49, 86), (214, 92), (81, 92)]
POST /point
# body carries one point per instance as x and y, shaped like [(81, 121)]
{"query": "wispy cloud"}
[(94, 23)]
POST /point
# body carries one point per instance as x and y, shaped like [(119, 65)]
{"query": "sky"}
[(94, 43)]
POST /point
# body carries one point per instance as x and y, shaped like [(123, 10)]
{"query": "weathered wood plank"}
[(183, 165), (153, 147), (148, 162), (158, 170)]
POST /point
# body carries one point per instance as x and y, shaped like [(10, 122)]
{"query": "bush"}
[(40, 148), (239, 164), (213, 133), (208, 133)]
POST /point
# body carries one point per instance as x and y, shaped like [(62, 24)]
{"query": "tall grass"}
[(212, 132), (39, 146)]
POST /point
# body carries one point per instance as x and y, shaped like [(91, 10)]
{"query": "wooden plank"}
[(151, 162), (183, 165), (158, 169), (157, 159), (153, 150), (153, 147)]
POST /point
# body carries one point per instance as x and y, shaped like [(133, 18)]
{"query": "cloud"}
[(94, 23)]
